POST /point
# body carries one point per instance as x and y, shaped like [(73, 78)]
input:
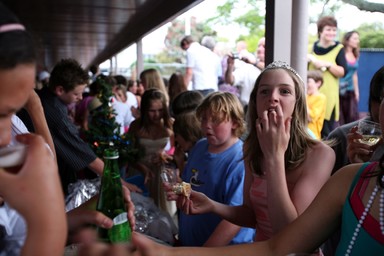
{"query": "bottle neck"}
[(111, 166)]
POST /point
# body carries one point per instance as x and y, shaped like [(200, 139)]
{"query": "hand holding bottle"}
[(111, 201)]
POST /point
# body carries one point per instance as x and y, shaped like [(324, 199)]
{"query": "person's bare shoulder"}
[(321, 153), (324, 148)]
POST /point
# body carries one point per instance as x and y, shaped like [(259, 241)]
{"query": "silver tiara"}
[(284, 65)]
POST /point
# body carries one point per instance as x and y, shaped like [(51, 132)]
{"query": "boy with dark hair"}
[(66, 85)]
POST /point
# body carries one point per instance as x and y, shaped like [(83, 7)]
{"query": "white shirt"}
[(13, 223), (205, 65), (245, 76), (131, 100), (18, 127), (123, 114)]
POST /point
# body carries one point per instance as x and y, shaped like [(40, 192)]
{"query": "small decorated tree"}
[(104, 130)]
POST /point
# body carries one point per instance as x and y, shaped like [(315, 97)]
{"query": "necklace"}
[(364, 215)]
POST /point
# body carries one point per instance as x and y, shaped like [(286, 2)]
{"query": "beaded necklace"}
[(365, 213)]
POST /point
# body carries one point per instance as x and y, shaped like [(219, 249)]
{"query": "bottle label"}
[(120, 232), (121, 218), (111, 157)]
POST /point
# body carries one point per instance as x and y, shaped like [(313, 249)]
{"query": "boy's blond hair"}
[(223, 106)]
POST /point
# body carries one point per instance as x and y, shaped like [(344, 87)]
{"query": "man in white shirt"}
[(242, 75), (202, 67)]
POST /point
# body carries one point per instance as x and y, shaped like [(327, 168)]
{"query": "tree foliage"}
[(363, 5), (253, 18), (371, 35), (366, 5), (327, 7), (172, 51)]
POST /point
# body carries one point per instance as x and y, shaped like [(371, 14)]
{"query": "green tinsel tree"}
[(104, 131)]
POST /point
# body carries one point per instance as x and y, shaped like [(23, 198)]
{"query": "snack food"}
[(186, 189), (183, 188)]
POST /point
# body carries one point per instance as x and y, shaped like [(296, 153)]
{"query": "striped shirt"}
[(73, 154)]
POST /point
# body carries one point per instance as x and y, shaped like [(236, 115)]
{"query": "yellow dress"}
[(316, 110), (330, 87)]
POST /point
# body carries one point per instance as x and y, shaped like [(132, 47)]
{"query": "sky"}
[(153, 43)]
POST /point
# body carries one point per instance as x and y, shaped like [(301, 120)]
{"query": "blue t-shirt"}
[(221, 178)]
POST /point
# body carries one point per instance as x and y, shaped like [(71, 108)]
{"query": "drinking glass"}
[(12, 157), (168, 174), (370, 131)]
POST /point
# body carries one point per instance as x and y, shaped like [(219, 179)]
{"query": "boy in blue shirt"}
[(215, 167)]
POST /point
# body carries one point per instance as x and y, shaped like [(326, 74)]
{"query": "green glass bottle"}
[(111, 201)]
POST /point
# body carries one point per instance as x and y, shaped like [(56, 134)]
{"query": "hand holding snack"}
[(170, 178), (182, 188)]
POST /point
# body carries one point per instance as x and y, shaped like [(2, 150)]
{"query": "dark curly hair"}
[(68, 73)]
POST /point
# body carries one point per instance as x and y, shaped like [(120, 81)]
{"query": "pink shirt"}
[(258, 197)]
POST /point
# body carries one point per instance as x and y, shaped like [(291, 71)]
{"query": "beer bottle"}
[(111, 201)]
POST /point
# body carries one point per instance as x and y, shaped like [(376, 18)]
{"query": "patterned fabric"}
[(73, 154), (370, 239)]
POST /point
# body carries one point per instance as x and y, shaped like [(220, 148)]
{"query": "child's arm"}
[(36, 113), (242, 215), (222, 235)]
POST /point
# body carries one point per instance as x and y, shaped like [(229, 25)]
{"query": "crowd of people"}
[(270, 173)]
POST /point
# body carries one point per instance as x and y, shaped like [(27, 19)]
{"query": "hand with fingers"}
[(273, 131), (357, 152), (35, 192), (86, 215)]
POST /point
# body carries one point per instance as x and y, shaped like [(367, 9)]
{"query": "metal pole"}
[(300, 21)]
